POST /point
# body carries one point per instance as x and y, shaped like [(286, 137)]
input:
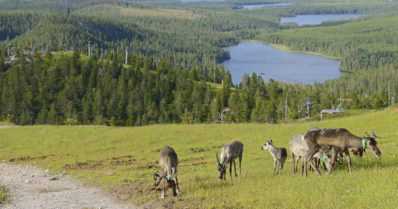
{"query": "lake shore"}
[(289, 49), (280, 63)]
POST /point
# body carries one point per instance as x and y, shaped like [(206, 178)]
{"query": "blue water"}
[(293, 67), (303, 20)]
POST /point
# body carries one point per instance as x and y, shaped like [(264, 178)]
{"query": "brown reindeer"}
[(167, 177), (339, 138)]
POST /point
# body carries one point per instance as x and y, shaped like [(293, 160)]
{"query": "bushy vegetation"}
[(123, 160)]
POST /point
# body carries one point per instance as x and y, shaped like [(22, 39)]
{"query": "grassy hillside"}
[(122, 160)]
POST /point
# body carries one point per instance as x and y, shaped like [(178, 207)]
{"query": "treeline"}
[(70, 88), (75, 89)]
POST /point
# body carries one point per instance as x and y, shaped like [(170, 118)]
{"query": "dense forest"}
[(71, 88), (128, 64), (193, 37), (362, 45)]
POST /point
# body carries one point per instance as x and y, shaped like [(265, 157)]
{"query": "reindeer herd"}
[(316, 149)]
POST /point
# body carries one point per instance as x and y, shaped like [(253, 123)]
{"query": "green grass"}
[(3, 195), (122, 160)]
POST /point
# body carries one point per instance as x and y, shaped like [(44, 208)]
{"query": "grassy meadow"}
[(122, 161)]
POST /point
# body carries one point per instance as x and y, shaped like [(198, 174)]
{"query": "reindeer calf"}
[(278, 154)]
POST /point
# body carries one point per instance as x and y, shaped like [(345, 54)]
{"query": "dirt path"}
[(32, 188)]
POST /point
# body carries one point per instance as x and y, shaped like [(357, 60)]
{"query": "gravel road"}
[(33, 188)]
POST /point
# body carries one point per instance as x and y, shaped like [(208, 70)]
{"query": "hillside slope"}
[(122, 160)]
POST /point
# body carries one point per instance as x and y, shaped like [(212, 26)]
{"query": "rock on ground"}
[(33, 188)]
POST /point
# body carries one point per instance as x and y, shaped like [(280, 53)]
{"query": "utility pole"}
[(389, 94), (286, 106), (308, 104), (89, 49), (126, 56)]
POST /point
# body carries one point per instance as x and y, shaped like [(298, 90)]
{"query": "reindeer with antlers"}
[(339, 138)]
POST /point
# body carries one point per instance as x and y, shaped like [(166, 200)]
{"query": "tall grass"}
[(122, 160)]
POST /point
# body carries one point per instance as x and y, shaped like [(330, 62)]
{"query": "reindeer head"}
[(161, 181), (370, 140), (221, 168), (267, 145), (157, 178)]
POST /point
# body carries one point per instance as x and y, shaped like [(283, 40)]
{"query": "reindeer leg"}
[(230, 169), (293, 164), (275, 166), (178, 186), (305, 166), (299, 160), (318, 172), (280, 166), (236, 174), (308, 159), (162, 194)]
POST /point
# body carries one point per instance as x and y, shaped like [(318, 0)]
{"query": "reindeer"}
[(228, 154), (299, 150), (278, 154), (339, 138), (167, 176)]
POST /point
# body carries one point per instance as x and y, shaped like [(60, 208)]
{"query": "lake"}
[(294, 67), (302, 20), (263, 5)]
